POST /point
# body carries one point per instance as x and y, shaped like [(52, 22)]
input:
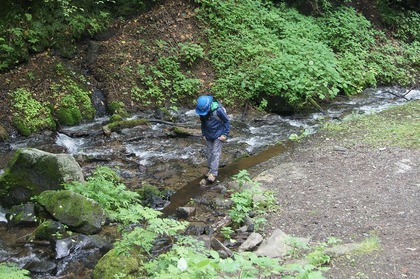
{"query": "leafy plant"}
[(227, 232), (249, 199), (73, 103), (190, 52), (104, 186), (164, 84), (12, 271), (29, 115)]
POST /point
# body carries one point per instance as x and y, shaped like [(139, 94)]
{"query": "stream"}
[(152, 154)]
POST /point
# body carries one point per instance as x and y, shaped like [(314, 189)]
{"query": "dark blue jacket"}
[(213, 127)]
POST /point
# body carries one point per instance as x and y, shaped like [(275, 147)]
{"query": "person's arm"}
[(226, 121), (202, 126)]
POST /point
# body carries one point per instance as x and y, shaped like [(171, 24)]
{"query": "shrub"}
[(73, 103), (164, 84), (30, 115)]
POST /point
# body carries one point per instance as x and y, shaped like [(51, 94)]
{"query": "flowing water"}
[(153, 154)]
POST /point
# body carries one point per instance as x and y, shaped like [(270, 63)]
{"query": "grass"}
[(369, 245), (398, 126)]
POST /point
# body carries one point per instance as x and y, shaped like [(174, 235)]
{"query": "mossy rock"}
[(4, 135), (69, 116), (115, 118), (79, 213), (50, 230), (117, 108), (111, 265), (32, 171), (119, 125)]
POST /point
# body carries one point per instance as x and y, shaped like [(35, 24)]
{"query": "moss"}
[(74, 210), (117, 108), (115, 118), (119, 125), (113, 265), (69, 116), (31, 171), (50, 230)]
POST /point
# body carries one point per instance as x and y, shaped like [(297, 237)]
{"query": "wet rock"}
[(4, 135), (49, 230), (41, 267), (223, 203), (251, 243), (185, 212), (222, 249), (79, 213), (32, 171), (22, 215), (78, 245), (195, 229)]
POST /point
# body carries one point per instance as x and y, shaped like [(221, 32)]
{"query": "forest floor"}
[(345, 186)]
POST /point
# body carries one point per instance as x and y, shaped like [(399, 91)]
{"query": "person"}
[(215, 128)]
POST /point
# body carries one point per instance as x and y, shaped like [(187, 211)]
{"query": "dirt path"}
[(325, 190)]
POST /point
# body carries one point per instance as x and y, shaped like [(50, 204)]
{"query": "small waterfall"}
[(99, 101)]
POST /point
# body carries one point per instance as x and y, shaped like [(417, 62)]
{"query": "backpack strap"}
[(216, 115)]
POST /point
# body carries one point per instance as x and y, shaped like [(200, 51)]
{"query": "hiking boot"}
[(211, 178), (207, 174)]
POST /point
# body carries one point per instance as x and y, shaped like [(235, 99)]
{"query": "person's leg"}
[(209, 153), (215, 151)]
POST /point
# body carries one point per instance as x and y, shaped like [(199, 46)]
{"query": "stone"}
[(251, 242), (23, 215), (278, 244), (32, 171), (185, 212), (218, 246), (49, 230), (113, 264), (79, 213)]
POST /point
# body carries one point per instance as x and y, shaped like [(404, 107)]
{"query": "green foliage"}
[(259, 48), (186, 257), (104, 186), (12, 271), (250, 198), (32, 27), (345, 30), (72, 102), (30, 115), (227, 232), (190, 52), (117, 107), (164, 84), (404, 23)]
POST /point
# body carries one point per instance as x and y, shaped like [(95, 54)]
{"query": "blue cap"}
[(203, 105)]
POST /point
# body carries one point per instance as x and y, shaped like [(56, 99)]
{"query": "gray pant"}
[(214, 151)]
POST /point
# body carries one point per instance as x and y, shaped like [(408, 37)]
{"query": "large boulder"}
[(79, 213), (32, 171)]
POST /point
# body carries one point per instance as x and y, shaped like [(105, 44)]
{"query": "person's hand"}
[(222, 138)]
